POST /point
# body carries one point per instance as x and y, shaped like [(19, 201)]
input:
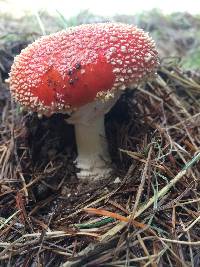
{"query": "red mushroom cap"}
[(73, 67)]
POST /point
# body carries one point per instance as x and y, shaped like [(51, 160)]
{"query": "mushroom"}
[(82, 71)]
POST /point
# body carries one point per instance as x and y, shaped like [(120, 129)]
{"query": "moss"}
[(192, 60)]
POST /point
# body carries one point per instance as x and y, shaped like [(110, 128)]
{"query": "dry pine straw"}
[(150, 215)]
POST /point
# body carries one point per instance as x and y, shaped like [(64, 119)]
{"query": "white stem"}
[(93, 157)]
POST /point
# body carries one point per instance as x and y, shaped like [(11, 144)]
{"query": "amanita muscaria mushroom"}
[(82, 71)]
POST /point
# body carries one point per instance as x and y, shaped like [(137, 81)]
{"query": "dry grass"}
[(150, 216)]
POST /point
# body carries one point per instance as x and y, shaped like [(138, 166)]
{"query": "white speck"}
[(108, 56), (148, 57), (119, 62), (117, 180), (116, 84), (123, 48), (122, 87), (113, 49), (40, 116), (116, 70), (113, 38)]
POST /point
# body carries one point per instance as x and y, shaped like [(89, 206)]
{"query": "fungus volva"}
[(82, 71)]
